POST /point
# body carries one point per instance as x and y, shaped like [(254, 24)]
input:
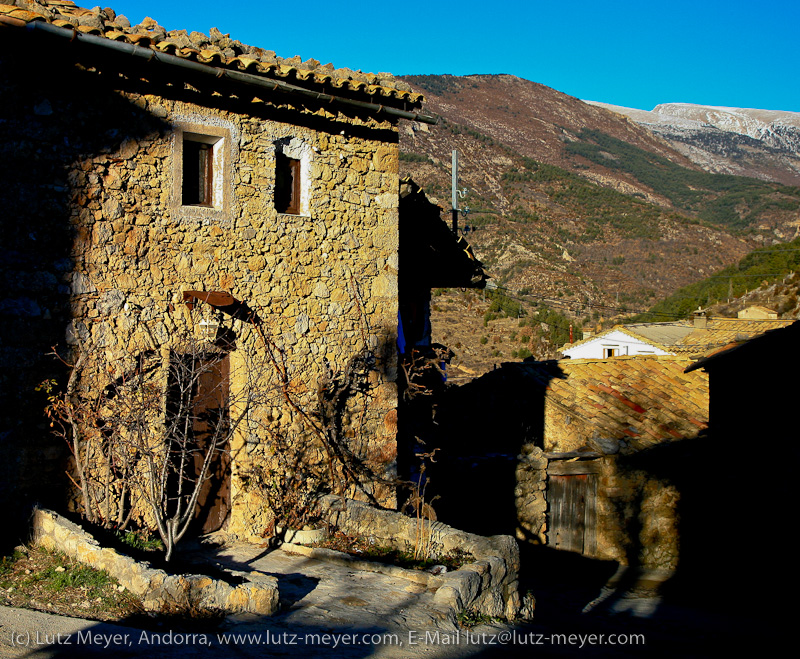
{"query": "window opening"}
[(287, 184), (198, 173)]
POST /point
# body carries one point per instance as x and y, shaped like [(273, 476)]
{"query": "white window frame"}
[(219, 138)]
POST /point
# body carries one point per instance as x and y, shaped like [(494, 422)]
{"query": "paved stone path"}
[(334, 611), (327, 611), (319, 594)]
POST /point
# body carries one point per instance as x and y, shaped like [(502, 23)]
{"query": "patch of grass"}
[(140, 540), (73, 576), (50, 581), (368, 549)]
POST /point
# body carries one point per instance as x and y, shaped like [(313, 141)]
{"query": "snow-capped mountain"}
[(750, 142)]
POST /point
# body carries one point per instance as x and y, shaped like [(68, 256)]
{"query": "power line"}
[(580, 306)]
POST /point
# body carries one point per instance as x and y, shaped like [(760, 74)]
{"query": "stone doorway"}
[(199, 384)]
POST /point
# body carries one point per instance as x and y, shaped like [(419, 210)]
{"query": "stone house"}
[(757, 312), (680, 337), (438, 259), (158, 184), (584, 455), (749, 377), (610, 492)]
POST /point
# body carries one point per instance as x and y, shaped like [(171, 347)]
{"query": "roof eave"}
[(236, 77)]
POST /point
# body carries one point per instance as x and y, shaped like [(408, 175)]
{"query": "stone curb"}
[(158, 590), (489, 585)]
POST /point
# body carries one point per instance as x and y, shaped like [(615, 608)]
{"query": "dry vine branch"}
[(333, 392), (146, 434), (132, 419)]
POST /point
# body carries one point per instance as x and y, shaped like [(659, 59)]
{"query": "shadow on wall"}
[(59, 125), (482, 430)]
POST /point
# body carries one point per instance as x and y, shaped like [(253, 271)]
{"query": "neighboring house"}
[(691, 338), (629, 340), (754, 386), (435, 258), (758, 313), (155, 180), (581, 455), (601, 419)]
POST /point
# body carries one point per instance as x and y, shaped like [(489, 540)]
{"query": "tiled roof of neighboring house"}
[(215, 49), (640, 400), (439, 258), (721, 331), (684, 338), (659, 334), (772, 342)]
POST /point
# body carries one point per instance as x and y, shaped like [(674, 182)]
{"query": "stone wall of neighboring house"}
[(635, 520), (530, 495), (99, 248), (618, 442)]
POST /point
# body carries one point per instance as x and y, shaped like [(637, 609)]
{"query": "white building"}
[(682, 337)]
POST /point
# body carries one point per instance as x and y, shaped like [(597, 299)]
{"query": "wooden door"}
[(210, 419), (571, 496)]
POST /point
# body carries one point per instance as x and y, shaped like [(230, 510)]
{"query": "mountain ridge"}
[(761, 143), (574, 200)]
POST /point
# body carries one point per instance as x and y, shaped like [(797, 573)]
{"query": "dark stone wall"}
[(54, 115)]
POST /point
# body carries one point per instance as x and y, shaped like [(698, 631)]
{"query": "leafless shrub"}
[(151, 425)]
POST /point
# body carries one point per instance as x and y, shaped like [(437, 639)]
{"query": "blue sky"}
[(637, 54)]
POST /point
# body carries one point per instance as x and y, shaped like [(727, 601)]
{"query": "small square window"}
[(287, 184)]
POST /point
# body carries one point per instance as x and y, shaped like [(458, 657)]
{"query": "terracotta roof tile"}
[(640, 399), (215, 49)]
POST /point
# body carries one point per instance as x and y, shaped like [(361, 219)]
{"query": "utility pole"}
[(454, 191)]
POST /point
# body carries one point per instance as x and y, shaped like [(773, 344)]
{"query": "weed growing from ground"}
[(470, 618)]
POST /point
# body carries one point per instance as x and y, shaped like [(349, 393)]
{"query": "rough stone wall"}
[(636, 510), (637, 518), (529, 494), (101, 249), (563, 431)]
